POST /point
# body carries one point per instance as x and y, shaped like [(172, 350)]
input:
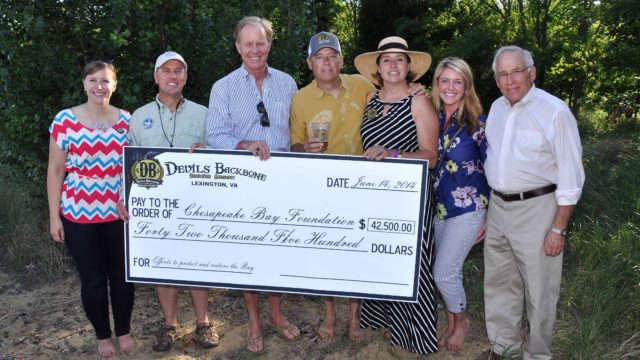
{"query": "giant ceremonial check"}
[(299, 223)]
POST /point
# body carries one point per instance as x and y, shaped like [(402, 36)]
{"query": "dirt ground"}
[(47, 322)]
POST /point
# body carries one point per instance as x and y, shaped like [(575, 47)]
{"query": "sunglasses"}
[(264, 117), (90, 59)]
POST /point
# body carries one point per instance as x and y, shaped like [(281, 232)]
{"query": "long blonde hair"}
[(470, 107)]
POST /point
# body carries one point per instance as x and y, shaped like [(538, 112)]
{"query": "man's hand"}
[(259, 148), (313, 145), (196, 146), (553, 243), (123, 214), (416, 89)]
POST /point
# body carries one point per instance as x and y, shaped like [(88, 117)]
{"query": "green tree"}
[(42, 44)]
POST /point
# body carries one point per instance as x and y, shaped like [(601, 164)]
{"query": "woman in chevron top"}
[(86, 143)]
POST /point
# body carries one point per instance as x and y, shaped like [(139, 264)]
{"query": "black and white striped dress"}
[(412, 326)]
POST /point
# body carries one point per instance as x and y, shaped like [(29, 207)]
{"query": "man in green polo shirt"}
[(173, 121)]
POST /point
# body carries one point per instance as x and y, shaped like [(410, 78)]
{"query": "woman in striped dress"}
[(397, 125), (86, 144)]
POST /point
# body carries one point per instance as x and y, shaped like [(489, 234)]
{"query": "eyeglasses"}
[(517, 73), (264, 117)]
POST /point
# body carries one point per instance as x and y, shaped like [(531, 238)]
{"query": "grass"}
[(599, 311), (599, 308), (28, 251)]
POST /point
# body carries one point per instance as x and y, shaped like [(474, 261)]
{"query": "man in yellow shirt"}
[(339, 100), (334, 98)]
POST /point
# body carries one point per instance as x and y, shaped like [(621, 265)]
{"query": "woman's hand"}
[(377, 152), (56, 229), (123, 214), (482, 232)]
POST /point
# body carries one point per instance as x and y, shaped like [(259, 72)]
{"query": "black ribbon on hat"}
[(393, 46)]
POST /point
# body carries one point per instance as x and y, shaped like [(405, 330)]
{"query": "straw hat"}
[(366, 63)]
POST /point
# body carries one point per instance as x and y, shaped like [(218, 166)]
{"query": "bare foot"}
[(286, 330), (106, 348), (456, 340), (356, 334), (402, 353), (126, 342), (451, 324), (326, 331)]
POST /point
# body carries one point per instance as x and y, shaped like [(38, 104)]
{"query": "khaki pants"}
[(518, 272)]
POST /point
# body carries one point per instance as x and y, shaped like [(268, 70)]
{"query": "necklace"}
[(175, 117), (103, 125), (100, 126)]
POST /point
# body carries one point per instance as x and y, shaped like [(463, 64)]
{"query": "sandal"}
[(284, 329), (256, 343), (324, 335), (355, 337), (206, 336), (165, 338)]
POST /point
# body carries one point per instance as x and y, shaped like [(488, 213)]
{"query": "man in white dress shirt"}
[(534, 166)]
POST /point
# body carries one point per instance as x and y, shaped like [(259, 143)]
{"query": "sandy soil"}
[(47, 322)]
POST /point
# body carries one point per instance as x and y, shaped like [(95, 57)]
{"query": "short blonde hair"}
[(254, 20), (470, 107)]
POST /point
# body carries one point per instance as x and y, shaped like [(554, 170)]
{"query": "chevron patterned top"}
[(91, 189)]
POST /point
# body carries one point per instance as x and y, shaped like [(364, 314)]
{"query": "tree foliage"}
[(585, 50), (43, 43)]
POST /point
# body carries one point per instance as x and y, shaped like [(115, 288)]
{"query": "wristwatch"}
[(561, 232)]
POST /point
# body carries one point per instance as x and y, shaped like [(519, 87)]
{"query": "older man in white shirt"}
[(534, 166)]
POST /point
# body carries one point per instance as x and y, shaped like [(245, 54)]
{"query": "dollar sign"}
[(362, 226)]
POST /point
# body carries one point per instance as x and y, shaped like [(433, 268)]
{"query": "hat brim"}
[(367, 67)]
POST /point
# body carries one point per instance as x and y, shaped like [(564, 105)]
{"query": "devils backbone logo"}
[(147, 173)]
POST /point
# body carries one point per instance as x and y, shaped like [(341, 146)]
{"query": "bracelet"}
[(394, 152)]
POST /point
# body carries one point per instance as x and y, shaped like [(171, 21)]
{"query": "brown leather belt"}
[(527, 194)]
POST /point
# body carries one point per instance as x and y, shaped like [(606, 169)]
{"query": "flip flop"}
[(324, 335), (356, 338), (282, 330), (255, 343)]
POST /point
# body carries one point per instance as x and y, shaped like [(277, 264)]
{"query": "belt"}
[(527, 194)]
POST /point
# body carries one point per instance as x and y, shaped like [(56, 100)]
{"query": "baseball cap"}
[(169, 55), (323, 40)]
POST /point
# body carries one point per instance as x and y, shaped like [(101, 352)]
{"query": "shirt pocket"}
[(527, 145), (279, 116)]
